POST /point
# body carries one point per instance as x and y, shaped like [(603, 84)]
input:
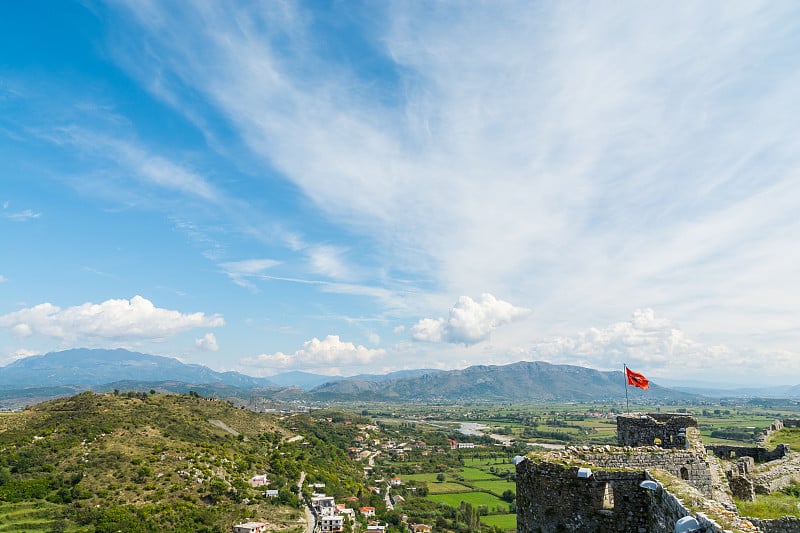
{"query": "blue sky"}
[(345, 187)]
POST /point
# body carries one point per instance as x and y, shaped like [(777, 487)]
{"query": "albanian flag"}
[(636, 379)]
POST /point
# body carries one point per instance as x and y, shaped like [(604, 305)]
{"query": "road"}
[(311, 522)]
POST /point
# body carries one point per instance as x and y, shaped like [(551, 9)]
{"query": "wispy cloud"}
[(22, 216), (243, 272)]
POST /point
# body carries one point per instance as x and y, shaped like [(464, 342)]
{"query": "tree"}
[(440, 476)]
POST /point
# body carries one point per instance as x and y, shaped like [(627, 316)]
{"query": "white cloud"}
[(116, 320), (592, 158), (242, 272), (207, 343), (321, 355), (3, 279), (374, 338), (22, 216), (18, 354), (469, 321), (654, 345), (328, 261)]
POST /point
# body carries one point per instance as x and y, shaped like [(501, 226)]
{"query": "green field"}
[(31, 516), (475, 474), (473, 498), (498, 486), (429, 477), (446, 487), (506, 522)]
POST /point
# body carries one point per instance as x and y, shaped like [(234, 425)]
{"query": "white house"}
[(332, 523), (259, 480), (271, 493), (250, 527)]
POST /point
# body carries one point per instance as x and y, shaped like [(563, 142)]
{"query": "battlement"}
[(666, 430)]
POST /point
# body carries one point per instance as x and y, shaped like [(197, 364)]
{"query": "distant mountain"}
[(84, 367), (525, 381), (784, 391), (307, 381), (518, 382)]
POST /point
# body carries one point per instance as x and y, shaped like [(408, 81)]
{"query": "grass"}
[(31, 516), (770, 506), (475, 474), (446, 488), (473, 498), (790, 436), (496, 486), (506, 522)]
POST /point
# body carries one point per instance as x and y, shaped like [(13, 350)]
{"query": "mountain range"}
[(59, 373)]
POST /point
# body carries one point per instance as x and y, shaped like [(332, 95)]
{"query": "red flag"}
[(636, 379)]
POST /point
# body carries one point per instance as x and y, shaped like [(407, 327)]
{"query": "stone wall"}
[(791, 423), (551, 498), (690, 465), (667, 430), (758, 453), (775, 475), (787, 524)]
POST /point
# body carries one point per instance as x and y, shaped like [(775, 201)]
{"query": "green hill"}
[(152, 462)]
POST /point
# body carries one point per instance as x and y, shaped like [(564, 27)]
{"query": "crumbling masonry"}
[(622, 488)]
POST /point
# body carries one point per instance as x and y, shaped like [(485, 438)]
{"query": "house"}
[(259, 480), (367, 511), (349, 513), (250, 527), (331, 523), (421, 528), (466, 445), (395, 482), (323, 505), (375, 527), (271, 493)]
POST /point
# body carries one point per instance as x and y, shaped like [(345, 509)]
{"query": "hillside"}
[(153, 462), (518, 382)]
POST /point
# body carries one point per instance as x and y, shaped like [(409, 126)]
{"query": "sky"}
[(362, 187)]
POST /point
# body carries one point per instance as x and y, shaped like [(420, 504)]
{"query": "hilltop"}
[(154, 462)]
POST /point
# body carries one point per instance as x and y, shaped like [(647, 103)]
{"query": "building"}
[(367, 511), (323, 505), (259, 480), (250, 527), (331, 523)]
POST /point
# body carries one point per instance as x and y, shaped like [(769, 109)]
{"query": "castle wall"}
[(551, 498), (667, 430), (758, 453), (787, 524)]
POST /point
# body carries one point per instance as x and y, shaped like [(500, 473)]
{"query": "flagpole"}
[(625, 377)]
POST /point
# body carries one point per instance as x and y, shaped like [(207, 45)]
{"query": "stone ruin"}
[(613, 488)]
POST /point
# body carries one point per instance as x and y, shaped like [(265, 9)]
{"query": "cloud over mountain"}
[(116, 320), (469, 321), (318, 354)]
